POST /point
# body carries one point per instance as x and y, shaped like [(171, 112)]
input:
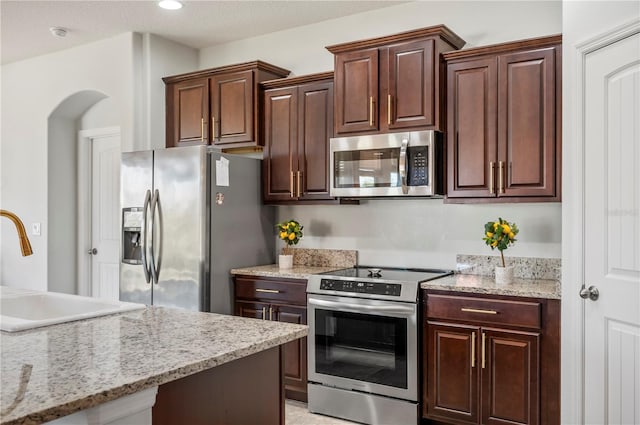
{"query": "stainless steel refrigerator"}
[(189, 215)]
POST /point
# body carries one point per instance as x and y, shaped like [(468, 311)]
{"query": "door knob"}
[(592, 293), (92, 251)]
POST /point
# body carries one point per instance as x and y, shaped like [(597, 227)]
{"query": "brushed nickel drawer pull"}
[(370, 111), (484, 337), (473, 349), (475, 310), (268, 291)]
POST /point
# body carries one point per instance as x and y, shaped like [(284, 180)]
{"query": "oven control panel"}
[(376, 288)]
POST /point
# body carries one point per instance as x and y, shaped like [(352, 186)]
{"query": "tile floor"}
[(296, 413)]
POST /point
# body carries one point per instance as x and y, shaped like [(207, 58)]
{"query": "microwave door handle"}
[(403, 166), (340, 306)]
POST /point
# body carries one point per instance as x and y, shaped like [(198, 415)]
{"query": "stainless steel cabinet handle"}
[(268, 291), (388, 109), (500, 177), (473, 349), (201, 129), (92, 251), (299, 183), (591, 293), (270, 313), (264, 313), (213, 127)]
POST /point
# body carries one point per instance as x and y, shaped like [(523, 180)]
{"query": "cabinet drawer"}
[(484, 310), (291, 292)]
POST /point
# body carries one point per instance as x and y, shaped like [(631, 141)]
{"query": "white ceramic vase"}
[(285, 261), (504, 275)]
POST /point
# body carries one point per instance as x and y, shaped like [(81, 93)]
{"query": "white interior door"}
[(612, 233), (105, 218)]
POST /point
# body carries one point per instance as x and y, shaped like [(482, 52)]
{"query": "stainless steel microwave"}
[(392, 164)]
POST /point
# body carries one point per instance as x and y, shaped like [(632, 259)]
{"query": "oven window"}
[(362, 347), (367, 168)]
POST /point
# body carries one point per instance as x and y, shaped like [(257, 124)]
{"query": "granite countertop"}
[(65, 368), (272, 270), (535, 288)]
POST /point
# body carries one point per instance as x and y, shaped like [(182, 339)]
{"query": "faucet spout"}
[(25, 245)]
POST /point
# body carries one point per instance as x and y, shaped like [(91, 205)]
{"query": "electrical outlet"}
[(35, 229)]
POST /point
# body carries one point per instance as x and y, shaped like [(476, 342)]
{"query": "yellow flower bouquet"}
[(290, 232), (499, 235)]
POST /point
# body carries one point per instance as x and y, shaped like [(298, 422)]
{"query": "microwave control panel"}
[(376, 288), (418, 158)]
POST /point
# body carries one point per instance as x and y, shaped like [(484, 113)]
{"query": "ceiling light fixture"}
[(170, 4), (58, 32)]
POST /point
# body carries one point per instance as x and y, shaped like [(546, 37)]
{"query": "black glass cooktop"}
[(371, 273)]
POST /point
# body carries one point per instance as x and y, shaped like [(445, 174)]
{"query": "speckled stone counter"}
[(272, 270), (65, 368), (535, 288)]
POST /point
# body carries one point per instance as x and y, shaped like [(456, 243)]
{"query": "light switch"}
[(35, 229)]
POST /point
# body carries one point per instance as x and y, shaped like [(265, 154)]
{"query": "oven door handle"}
[(340, 306)]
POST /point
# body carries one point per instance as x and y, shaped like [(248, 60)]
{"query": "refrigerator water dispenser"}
[(132, 223)]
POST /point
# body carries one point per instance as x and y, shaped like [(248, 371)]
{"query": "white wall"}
[(128, 70), (416, 233), (31, 91), (302, 50), (582, 20)]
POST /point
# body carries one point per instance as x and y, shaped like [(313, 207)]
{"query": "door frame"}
[(85, 138), (573, 250)]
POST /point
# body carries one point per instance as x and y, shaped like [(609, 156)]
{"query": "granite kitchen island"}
[(208, 368)]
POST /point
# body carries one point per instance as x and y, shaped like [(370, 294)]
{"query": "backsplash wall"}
[(423, 232)]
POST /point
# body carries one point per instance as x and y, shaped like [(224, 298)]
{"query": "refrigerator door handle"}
[(143, 248), (152, 261), (157, 209)]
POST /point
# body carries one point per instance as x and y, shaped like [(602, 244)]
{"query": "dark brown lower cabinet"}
[(282, 300), (488, 360), (222, 395)]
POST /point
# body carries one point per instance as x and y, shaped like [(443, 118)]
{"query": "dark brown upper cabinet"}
[(504, 134), (217, 106), (391, 83), (298, 123)]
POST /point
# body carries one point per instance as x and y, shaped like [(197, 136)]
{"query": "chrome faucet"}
[(25, 245)]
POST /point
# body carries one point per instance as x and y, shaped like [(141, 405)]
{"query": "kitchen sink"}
[(22, 309)]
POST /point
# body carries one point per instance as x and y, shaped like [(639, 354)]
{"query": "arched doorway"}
[(65, 214)]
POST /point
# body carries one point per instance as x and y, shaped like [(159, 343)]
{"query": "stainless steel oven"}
[(363, 344)]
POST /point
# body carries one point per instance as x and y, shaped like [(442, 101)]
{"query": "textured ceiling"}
[(24, 24)]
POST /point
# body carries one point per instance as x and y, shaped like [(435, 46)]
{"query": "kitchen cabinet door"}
[(452, 372), (315, 128), (295, 353), (188, 104), (254, 310), (356, 86), (281, 144), (412, 95), (232, 111), (527, 123), (503, 122), (471, 120), (297, 126), (510, 377)]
